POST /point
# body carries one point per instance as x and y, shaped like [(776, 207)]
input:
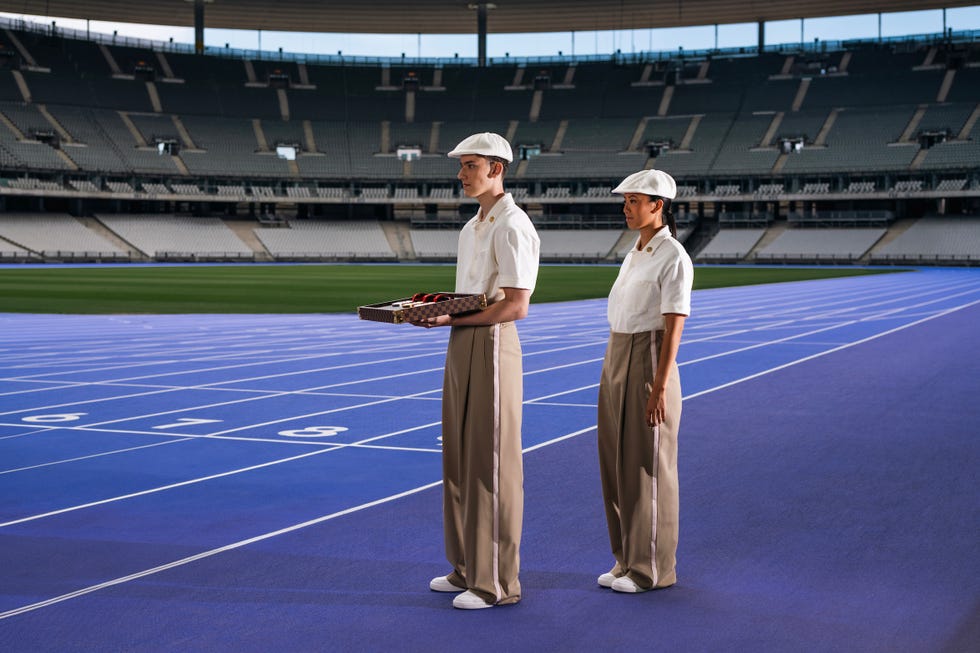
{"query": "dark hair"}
[(668, 214), (496, 159)]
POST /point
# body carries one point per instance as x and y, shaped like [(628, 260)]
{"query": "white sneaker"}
[(606, 580), (626, 584), (442, 584), (470, 601)]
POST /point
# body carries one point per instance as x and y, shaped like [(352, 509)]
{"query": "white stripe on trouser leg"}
[(654, 356), (496, 461), (653, 512)]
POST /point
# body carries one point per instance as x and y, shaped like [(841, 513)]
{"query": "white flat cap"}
[(485, 144), (648, 182)]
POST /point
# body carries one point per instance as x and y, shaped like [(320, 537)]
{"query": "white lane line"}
[(94, 455), (272, 395), (561, 393), (252, 540), (184, 437), (278, 394), (221, 368), (834, 349), (201, 386), (421, 488), (326, 447), (33, 429), (169, 434), (162, 488), (387, 447), (867, 318), (586, 361), (212, 552), (795, 301), (788, 339), (560, 438)]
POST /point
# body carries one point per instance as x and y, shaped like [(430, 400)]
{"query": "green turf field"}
[(306, 288)]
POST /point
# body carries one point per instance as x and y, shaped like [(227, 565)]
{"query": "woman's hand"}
[(656, 411)]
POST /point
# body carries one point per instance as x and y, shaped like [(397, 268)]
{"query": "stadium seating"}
[(577, 245), (57, 237), (327, 241), (435, 244), (172, 238), (877, 135), (934, 240), (719, 119), (10, 253), (730, 245), (821, 245)]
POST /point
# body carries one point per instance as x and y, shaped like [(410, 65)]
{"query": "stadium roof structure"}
[(459, 16)]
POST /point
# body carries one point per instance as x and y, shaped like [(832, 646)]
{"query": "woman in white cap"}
[(482, 400), (640, 390)]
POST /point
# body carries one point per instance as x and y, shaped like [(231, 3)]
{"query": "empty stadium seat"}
[(206, 140), (327, 240)]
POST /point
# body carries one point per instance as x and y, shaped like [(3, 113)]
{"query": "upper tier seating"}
[(720, 116)]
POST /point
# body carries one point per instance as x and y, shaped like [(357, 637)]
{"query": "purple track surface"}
[(256, 483)]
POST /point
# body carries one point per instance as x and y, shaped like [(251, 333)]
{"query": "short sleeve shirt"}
[(652, 281), (500, 251)]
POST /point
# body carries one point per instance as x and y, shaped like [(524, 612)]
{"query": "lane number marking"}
[(53, 419), (313, 432)]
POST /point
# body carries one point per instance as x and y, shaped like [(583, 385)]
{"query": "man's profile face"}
[(477, 174)]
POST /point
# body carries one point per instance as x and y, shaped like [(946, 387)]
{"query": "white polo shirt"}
[(651, 282), (500, 251)]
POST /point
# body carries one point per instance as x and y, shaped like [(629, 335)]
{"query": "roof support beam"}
[(481, 31), (199, 26)]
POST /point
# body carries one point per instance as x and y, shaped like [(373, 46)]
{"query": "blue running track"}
[(272, 482)]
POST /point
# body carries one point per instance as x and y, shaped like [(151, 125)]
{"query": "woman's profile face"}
[(641, 210)]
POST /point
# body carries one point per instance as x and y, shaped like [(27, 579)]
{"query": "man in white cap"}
[(640, 390), (483, 480)]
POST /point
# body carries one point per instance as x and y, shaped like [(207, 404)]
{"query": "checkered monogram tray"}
[(403, 310)]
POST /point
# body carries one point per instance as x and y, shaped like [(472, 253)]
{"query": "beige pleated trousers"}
[(483, 478), (637, 463)]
